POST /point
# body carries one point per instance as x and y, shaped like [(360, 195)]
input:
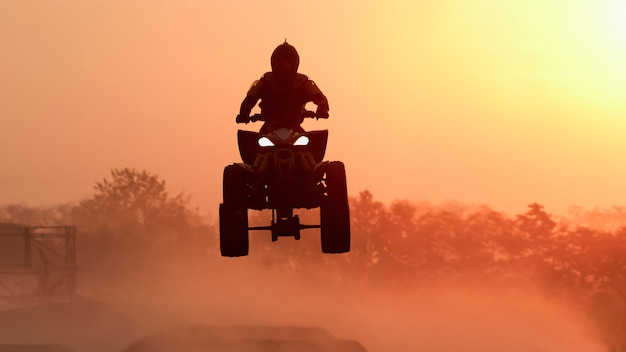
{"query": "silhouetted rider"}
[(284, 93)]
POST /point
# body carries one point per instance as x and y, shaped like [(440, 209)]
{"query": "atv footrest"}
[(289, 227)]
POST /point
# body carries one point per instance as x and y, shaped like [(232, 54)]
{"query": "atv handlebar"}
[(305, 114)]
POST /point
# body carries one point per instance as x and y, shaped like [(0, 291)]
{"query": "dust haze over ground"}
[(436, 318), (157, 292), (430, 318)]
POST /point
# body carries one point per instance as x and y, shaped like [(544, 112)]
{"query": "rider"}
[(284, 93)]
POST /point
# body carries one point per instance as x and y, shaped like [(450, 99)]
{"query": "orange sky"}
[(479, 101)]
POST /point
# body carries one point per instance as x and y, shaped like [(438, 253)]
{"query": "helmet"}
[(285, 58)]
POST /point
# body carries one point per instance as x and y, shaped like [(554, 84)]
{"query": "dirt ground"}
[(164, 301), (117, 326)]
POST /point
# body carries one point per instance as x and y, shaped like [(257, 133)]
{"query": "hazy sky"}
[(497, 102)]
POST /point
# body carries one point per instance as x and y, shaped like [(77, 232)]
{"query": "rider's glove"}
[(321, 113), (242, 119)]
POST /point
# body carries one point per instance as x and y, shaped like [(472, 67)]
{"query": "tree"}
[(370, 225), (134, 201), (536, 223)]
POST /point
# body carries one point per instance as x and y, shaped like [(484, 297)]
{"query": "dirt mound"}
[(33, 348), (81, 325), (104, 326), (246, 338)]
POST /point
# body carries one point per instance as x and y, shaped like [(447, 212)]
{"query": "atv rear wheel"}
[(233, 213), (335, 211)]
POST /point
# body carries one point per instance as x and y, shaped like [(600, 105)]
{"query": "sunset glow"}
[(484, 145), (617, 21), (477, 101)]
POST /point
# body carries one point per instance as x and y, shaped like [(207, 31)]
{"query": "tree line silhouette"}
[(575, 260)]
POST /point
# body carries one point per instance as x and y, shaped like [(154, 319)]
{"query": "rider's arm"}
[(252, 97), (246, 107), (318, 98)]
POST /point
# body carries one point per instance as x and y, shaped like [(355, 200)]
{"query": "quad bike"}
[(284, 170)]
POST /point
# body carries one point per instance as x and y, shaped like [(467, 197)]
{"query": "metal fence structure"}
[(47, 253)]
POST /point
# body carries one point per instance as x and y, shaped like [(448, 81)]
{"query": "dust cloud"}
[(437, 317), (153, 293)]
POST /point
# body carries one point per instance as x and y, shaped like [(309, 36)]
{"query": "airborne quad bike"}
[(281, 171)]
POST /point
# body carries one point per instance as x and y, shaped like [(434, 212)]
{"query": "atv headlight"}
[(265, 142), (302, 140)]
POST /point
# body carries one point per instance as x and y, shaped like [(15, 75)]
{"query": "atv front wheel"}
[(234, 239), (233, 213), (234, 187), (335, 211)]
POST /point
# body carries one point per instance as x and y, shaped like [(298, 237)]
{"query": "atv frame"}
[(283, 177)]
